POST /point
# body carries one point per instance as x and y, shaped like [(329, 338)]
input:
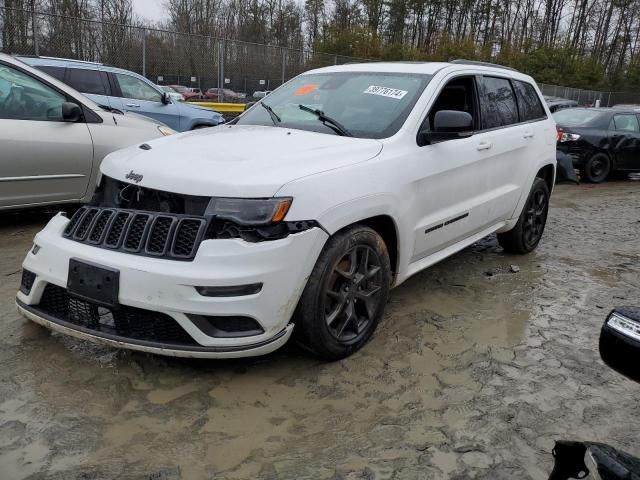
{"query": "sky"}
[(153, 10)]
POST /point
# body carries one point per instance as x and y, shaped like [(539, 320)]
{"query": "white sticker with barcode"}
[(386, 92)]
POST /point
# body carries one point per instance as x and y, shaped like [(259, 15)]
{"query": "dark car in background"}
[(556, 103), (599, 140)]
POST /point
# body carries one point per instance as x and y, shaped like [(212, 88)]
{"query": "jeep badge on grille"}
[(136, 177)]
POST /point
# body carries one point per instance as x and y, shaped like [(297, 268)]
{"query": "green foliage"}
[(552, 65)]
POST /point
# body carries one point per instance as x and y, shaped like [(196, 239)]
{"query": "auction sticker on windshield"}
[(386, 92)]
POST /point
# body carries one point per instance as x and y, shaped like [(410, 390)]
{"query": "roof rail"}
[(462, 61), (61, 59)]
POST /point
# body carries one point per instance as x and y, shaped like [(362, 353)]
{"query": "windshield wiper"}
[(328, 121), (274, 115)]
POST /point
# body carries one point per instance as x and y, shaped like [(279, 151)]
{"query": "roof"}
[(428, 68)]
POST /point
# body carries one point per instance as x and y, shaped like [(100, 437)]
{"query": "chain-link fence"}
[(164, 57), (591, 98), (171, 58)]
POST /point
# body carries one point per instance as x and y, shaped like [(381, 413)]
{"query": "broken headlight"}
[(249, 211)]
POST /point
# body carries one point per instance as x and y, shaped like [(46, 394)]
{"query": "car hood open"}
[(236, 161)]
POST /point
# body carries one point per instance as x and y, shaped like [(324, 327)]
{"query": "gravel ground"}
[(475, 370)]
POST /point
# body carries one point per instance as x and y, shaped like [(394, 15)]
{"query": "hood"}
[(236, 160)]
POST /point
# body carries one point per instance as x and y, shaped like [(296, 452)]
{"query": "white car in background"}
[(53, 138), (173, 94), (301, 214)]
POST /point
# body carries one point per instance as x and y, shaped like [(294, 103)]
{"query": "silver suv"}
[(53, 138)]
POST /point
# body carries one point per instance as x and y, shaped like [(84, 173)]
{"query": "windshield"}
[(367, 104), (576, 117)]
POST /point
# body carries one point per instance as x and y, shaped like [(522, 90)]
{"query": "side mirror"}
[(448, 125), (71, 112), (620, 341), (166, 100)]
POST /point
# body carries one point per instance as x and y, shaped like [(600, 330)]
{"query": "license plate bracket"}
[(93, 283)]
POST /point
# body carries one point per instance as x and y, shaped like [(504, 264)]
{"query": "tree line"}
[(589, 44)]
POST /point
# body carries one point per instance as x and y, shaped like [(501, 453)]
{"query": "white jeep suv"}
[(301, 215)]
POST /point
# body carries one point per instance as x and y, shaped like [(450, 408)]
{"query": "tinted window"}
[(498, 105), (627, 123), (22, 97), (137, 89), (529, 103), (55, 72), (86, 81)]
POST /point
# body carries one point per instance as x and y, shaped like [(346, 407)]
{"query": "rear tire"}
[(345, 295), (525, 236), (597, 168)]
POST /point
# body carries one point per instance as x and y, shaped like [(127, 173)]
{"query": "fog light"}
[(35, 249), (230, 291), (624, 325)]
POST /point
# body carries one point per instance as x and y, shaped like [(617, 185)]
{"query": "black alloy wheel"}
[(353, 294), (345, 295), (535, 218), (527, 233)]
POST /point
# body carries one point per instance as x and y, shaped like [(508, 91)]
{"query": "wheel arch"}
[(548, 174), (385, 226)]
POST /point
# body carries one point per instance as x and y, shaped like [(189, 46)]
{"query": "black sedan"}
[(599, 140)]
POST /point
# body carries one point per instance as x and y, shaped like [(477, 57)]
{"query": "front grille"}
[(27, 281), (171, 236), (126, 322)]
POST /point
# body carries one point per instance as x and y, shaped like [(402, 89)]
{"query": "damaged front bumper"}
[(160, 305)]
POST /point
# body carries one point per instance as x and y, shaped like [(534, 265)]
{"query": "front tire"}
[(525, 236), (345, 295)]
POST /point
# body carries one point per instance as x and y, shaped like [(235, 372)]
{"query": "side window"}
[(55, 72), (135, 88), (529, 103), (458, 94), (86, 81), (626, 123), (22, 97), (497, 103)]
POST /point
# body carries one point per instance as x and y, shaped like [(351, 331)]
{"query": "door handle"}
[(133, 105), (528, 134), (484, 145)]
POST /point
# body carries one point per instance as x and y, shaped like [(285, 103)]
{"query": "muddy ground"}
[(473, 373)]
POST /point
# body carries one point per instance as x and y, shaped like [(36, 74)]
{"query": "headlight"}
[(164, 130), (250, 211)]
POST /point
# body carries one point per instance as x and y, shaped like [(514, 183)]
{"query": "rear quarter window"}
[(497, 103), (529, 104)]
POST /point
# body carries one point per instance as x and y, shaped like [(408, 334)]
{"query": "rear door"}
[(93, 83), (626, 141), (138, 96), (43, 159), (508, 146)]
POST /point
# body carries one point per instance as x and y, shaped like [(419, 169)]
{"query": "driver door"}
[(43, 159), (140, 97)]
